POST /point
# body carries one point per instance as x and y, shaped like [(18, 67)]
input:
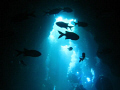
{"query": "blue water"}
[(57, 68), (61, 62)]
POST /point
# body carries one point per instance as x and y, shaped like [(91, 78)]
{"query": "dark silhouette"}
[(70, 48), (63, 25), (22, 62), (32, 53), (83, 57), (69, 35)]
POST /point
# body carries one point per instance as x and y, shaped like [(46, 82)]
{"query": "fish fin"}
[(19, 52), (22, 62), (75, 23), (66, 38), (70, 27), (80, 59), (61, 34), (66, 31)]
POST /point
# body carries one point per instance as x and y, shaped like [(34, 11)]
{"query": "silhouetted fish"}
[(83, 57), (63, 25), (22, 62), (69, 35), (70, 48), (32, 53)]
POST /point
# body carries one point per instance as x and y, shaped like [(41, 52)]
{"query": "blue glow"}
[(93, 74), (81, 70), (88, 79), (74, 20), (53, 37), (54, 87), (92, 71), (77, 73), (59, 19), (65, 48), (73, 61)]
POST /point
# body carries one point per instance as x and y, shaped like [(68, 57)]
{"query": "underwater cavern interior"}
[(81, 52)]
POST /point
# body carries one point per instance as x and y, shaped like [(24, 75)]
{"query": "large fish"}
[(63, 25), (32, 53), (69, 35)]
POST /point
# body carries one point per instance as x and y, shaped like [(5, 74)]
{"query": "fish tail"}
[(70, 27), (19, 52), (80, 59), (75, 23), (22, 62), (61, 34)]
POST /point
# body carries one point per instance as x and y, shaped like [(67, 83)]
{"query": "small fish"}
[(83, 57), (70, 48), (22, 62), (81, 24), (69, 35), (32, 53), (63, 25)]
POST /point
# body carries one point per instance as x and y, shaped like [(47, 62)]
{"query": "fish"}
[(63, 25), (22, 62), (83, 57), (26, 52), (69, 35), (70, 48)]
